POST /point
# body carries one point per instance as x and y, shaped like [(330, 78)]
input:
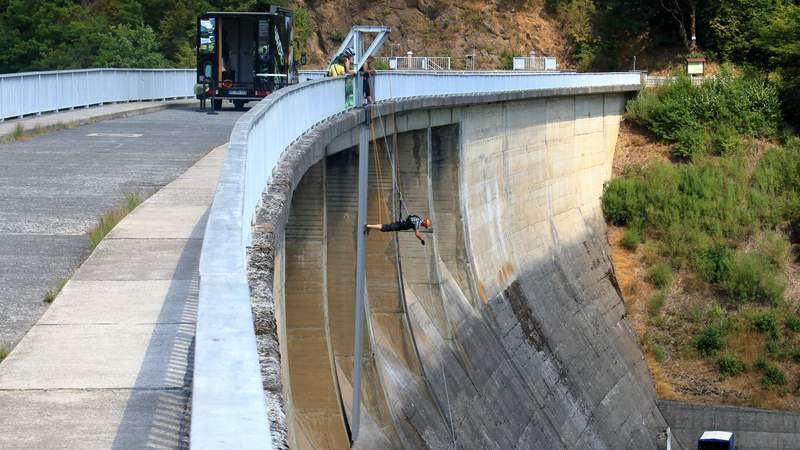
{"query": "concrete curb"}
[(36, 129)]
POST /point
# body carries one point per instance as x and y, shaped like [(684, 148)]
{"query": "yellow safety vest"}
[(336, 70)]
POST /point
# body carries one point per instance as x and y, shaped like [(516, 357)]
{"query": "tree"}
[(678, 10), (780, 37), (734, 28), (130, 46)]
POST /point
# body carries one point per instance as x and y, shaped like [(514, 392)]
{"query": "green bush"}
[(726, 140), (623, 201), (690, 142), (773, 376), (710, 340), (656, 303), (631, 239), (686, 207), (773, 349), (774, 248), (750, 280), (658, 352), (713, 264), (731, 104), (793, 322), (794, 353), (730, 365), (767, 323), (506, 60), (660, 275)]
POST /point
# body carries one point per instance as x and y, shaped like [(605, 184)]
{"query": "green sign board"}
[(695, 68)]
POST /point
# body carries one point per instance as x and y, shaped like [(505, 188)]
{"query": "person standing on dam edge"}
[(412, 222)]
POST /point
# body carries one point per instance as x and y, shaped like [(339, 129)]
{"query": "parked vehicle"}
[(244, 56), (716, 440)]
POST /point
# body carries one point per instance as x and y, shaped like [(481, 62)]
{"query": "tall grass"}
[(111, 218), (696, 213)]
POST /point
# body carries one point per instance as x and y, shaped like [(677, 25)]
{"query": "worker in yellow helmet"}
[(337, 68)]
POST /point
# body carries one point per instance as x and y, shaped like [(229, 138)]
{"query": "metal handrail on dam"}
[(228, 406), (37, 92)]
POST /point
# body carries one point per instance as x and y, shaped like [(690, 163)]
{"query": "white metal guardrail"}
[(308, 75), (392, 85), (27, 93), (416, 62), (534, 63), (228, 406)]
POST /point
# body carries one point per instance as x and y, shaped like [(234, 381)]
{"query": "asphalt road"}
[(54, 187)]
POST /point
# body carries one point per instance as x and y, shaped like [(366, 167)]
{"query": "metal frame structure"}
[(356, 37)]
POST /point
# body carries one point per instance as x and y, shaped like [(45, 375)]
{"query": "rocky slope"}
[(440, 28)]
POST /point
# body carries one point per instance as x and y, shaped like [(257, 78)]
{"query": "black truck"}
[(244, 56)]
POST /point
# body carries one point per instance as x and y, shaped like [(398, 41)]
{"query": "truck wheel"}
[(217, 104), (239, 104)]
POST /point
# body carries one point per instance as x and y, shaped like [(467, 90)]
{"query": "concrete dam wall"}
[(506, 330)]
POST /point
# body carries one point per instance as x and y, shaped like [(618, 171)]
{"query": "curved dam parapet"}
[(506, 330)]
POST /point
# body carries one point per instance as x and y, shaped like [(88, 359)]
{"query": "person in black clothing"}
[(367, 72), (412, 222)]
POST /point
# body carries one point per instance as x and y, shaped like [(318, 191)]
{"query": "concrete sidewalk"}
[(109, 365), (83, 116)]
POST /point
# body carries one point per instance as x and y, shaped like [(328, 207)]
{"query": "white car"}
[(717, 440)]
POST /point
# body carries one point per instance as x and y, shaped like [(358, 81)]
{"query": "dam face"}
[(506, 330)]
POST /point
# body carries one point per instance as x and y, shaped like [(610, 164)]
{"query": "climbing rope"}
[(376, 156), (429, 263), (402, 211)]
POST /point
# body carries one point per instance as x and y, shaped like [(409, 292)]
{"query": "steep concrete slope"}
[(506, 330)]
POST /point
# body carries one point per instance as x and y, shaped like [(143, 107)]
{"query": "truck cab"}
[(244, 56), (716, 440)]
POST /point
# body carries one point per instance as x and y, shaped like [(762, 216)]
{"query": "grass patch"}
[(793, 323), (729, 365), (767, 323), (111, 218), (658, 352), (53, 293), (18, 133), (711, 339), (773, 376), (656, 303), (648, 343), (751, 279), (660, 275), (4, 351), (631, 239)]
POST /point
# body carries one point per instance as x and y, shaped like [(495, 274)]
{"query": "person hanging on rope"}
[(412, 222)]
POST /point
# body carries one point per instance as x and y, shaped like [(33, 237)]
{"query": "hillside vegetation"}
[(713, 235)]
